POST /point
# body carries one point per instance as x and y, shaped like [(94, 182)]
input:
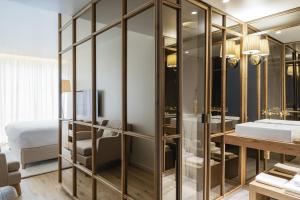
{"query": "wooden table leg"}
[(243, 163)]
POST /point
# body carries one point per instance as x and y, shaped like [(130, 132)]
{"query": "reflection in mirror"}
[(274, 80), (292, 83), (140, 168), (83, 82), (193, 91)]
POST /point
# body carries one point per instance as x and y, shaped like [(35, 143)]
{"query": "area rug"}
[(33, 169)]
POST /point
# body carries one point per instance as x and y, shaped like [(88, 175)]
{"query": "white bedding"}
[(32, 133)]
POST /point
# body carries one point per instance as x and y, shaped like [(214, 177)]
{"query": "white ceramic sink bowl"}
[(277, 121), (268, 131)]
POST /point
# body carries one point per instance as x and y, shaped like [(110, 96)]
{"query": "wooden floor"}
[(43, 187), (46, 187)]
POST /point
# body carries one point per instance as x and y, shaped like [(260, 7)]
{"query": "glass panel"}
[(193, 92), (66, 37), (84, 186), (109, 75), (67, 139), (233, 84), (84, 25), (233, 25), (290, 83), (252, 92), (171, 153), (215, 123), (171, 70), (289, 54), (66, 85), (65, 19), (133, 4), (106, 193), (274, 79), (231, 167), (108, 154), (140, 169), (141, 72), (84, 145), (216, 19), (171, 101), (67, 175), (216, 166), (84, 82), (107, 12)]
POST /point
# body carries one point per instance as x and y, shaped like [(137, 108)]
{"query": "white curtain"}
[(28, 90)]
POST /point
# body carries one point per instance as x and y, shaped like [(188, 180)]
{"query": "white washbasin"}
[(277, 121), (268, 131)]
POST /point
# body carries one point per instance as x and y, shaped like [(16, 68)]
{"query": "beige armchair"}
[(9, 174), (108, 146)]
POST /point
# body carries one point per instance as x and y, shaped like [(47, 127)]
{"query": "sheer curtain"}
[(28, 90)]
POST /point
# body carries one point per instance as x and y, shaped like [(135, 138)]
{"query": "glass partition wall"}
[(148, 91), (226, 102)]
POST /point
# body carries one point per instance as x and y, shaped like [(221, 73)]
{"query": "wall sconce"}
[(172, 60), (232, 53), (290, 71), (257, 49)]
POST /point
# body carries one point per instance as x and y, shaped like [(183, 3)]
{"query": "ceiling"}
[(247, 10), (244, 10)]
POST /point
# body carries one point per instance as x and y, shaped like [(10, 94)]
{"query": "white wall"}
[(27, 31)]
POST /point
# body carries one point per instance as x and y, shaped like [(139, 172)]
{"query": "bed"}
[(33, 141)]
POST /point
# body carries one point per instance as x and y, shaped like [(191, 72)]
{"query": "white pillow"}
[(107, 133)]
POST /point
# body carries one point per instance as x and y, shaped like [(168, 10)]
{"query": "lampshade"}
[(290, 71), (264, 47), (65, 86), (172, 60), (251, 44), (230, 49)]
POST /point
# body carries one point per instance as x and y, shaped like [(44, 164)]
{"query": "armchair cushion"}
[(14, 178), (13, 166), (3, 170), (84, 147)]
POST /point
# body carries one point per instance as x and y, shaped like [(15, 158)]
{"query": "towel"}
[(271, 180), (293, 186), (287, 169)]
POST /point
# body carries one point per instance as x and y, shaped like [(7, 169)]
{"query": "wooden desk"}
[(266, 145)]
